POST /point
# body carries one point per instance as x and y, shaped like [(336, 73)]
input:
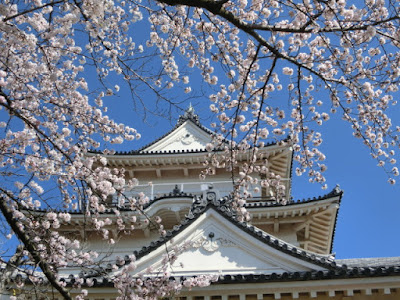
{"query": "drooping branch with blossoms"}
[(347, 50), (272, 68)]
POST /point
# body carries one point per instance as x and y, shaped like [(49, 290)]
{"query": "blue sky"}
[(368, 220)]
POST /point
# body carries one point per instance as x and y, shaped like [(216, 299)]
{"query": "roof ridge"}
[(141, 152), (339, 273), (335, 192), (175, 193)]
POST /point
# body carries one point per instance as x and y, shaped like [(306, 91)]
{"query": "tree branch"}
[(25, 239)]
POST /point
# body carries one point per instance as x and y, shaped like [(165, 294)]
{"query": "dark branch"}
[(25, 239)]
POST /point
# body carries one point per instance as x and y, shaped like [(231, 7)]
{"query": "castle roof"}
[(187, 136), (308, 266)]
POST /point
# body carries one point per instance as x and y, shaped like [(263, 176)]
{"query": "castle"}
[(283, 252)]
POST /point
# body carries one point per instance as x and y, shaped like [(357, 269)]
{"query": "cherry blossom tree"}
[(272, 68)]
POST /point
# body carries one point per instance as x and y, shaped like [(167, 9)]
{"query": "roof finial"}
[(189, 115), (190, 109)]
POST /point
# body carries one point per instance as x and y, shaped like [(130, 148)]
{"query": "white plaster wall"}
[(288, 236), (227, 260), (108, 253), (192, 184), (186, 137)]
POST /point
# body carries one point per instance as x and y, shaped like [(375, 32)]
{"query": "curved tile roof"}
[(341, 272), (179, 194), (111, 210), (189, 115), (141, 152), (335, 192), (372, 262), (222, 207), (255, 232)]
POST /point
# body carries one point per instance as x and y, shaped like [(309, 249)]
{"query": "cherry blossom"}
[(274, 71)]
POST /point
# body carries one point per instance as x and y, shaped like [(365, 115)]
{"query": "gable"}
[(188, 136), (220, 247)]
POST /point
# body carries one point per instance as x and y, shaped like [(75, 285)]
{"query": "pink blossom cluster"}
[(276, 72), (155, 283), (50, 118), (267, 49)]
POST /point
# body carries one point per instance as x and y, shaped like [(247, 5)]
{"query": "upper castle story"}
[(175, 160)]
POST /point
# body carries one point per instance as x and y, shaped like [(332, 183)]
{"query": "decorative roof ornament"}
[(189, 115), (176, 190), (210, 197), (337, 189)]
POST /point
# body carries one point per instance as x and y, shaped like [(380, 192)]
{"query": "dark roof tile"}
[(335, 192), (339, 273)]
